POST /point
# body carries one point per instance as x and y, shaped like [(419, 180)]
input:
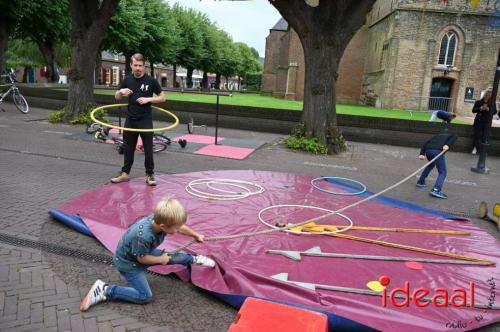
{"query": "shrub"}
[(80, 118), (306, 144), (56, 117)]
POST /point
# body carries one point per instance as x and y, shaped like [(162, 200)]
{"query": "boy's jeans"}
[(440, 164), (139, 292)]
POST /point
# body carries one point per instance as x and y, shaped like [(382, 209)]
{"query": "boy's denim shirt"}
[(139, 240)]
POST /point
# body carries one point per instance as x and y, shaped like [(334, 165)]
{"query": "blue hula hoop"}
[(362, 190)]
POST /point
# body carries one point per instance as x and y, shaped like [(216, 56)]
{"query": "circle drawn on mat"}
[(359, 192), (223, 189), (329, 212)]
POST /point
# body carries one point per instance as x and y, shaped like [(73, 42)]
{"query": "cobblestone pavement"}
[(41, 286)]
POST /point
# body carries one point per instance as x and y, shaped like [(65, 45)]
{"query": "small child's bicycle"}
[(160, 142)]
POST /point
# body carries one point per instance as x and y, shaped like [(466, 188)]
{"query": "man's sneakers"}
[(474, 151), (123, 177), (438, 194), (150, 180), (95, 295), (420, 185), (203, 261)]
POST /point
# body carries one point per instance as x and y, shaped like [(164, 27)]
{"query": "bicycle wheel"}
[(119, 146), (20, 102), (92, 128), (158, 147), (159, 138)]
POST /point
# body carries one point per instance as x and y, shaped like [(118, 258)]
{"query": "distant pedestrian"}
[(430, 150), (443, 115), (484, 109)]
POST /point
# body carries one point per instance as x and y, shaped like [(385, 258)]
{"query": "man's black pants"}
[(130, 142)]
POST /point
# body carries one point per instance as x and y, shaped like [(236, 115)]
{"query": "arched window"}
[(447, 50)]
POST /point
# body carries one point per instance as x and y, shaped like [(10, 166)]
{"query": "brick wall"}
[(394, 58)]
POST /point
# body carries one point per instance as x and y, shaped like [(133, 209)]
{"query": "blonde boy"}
[(137, 250)]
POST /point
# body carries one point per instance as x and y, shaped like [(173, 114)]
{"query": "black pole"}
[(216, 119), (120, 119), (496, 79), (483, 149)]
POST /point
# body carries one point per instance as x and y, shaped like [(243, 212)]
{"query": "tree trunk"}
[(217, 81), (204, 81), (174, 78), (319, 112), (25, 74), (3, 44), (128, 69), (189, 77), (89, 20), (98, 68), (81, 78), (49, 55), (324, 31), (152, 70), (239, 83)]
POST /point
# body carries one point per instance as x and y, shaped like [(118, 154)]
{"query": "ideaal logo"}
[(423, 297), (463, 324)]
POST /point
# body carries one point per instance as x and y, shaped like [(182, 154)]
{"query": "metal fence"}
[(429, 104)]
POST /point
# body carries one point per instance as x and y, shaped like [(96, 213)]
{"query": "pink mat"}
[(201, 139), (225, 151), (244, 267)]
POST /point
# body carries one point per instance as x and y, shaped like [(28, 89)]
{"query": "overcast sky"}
[(245, 21)]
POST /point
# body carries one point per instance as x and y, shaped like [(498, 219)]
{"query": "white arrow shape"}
[(316, 252)]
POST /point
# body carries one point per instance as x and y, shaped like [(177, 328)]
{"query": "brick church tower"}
[(411, 54)]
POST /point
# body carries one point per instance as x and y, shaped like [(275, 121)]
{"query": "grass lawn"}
[(256, 100)]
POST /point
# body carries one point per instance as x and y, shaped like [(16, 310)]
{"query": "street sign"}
[(469, 94)]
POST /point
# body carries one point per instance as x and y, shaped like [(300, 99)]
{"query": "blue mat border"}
[(396, 202)]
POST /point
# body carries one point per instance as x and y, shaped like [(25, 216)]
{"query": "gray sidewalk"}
[(41, 286)]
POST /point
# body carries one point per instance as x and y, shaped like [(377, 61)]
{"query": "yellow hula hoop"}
[(175, 124)]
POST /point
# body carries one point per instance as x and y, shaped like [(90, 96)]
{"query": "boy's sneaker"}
[(95, 295), (150, 180), (203, 261), (421, 185), (438, 194), (123, 177)]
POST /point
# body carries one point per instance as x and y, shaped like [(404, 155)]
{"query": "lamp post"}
[(483, 149)]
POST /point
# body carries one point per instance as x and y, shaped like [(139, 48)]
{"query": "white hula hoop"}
[(307, 207), (225, 194)]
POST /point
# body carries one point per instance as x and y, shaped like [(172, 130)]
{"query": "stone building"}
[(411, 54)]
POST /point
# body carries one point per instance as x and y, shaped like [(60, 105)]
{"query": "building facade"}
[(411, 54)]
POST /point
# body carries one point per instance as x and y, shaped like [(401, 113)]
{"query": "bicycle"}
[(102, 134), (17, 97)]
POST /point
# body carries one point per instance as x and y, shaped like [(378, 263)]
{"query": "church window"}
[(447, 50)]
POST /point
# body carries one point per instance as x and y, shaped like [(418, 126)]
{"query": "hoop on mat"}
[(362, 190), (175, 124), (211, 184), (346, 228)]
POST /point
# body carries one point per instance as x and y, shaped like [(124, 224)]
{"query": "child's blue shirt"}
[(139, 240)]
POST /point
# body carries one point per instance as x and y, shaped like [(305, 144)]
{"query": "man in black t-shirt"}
[(139, 87)]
